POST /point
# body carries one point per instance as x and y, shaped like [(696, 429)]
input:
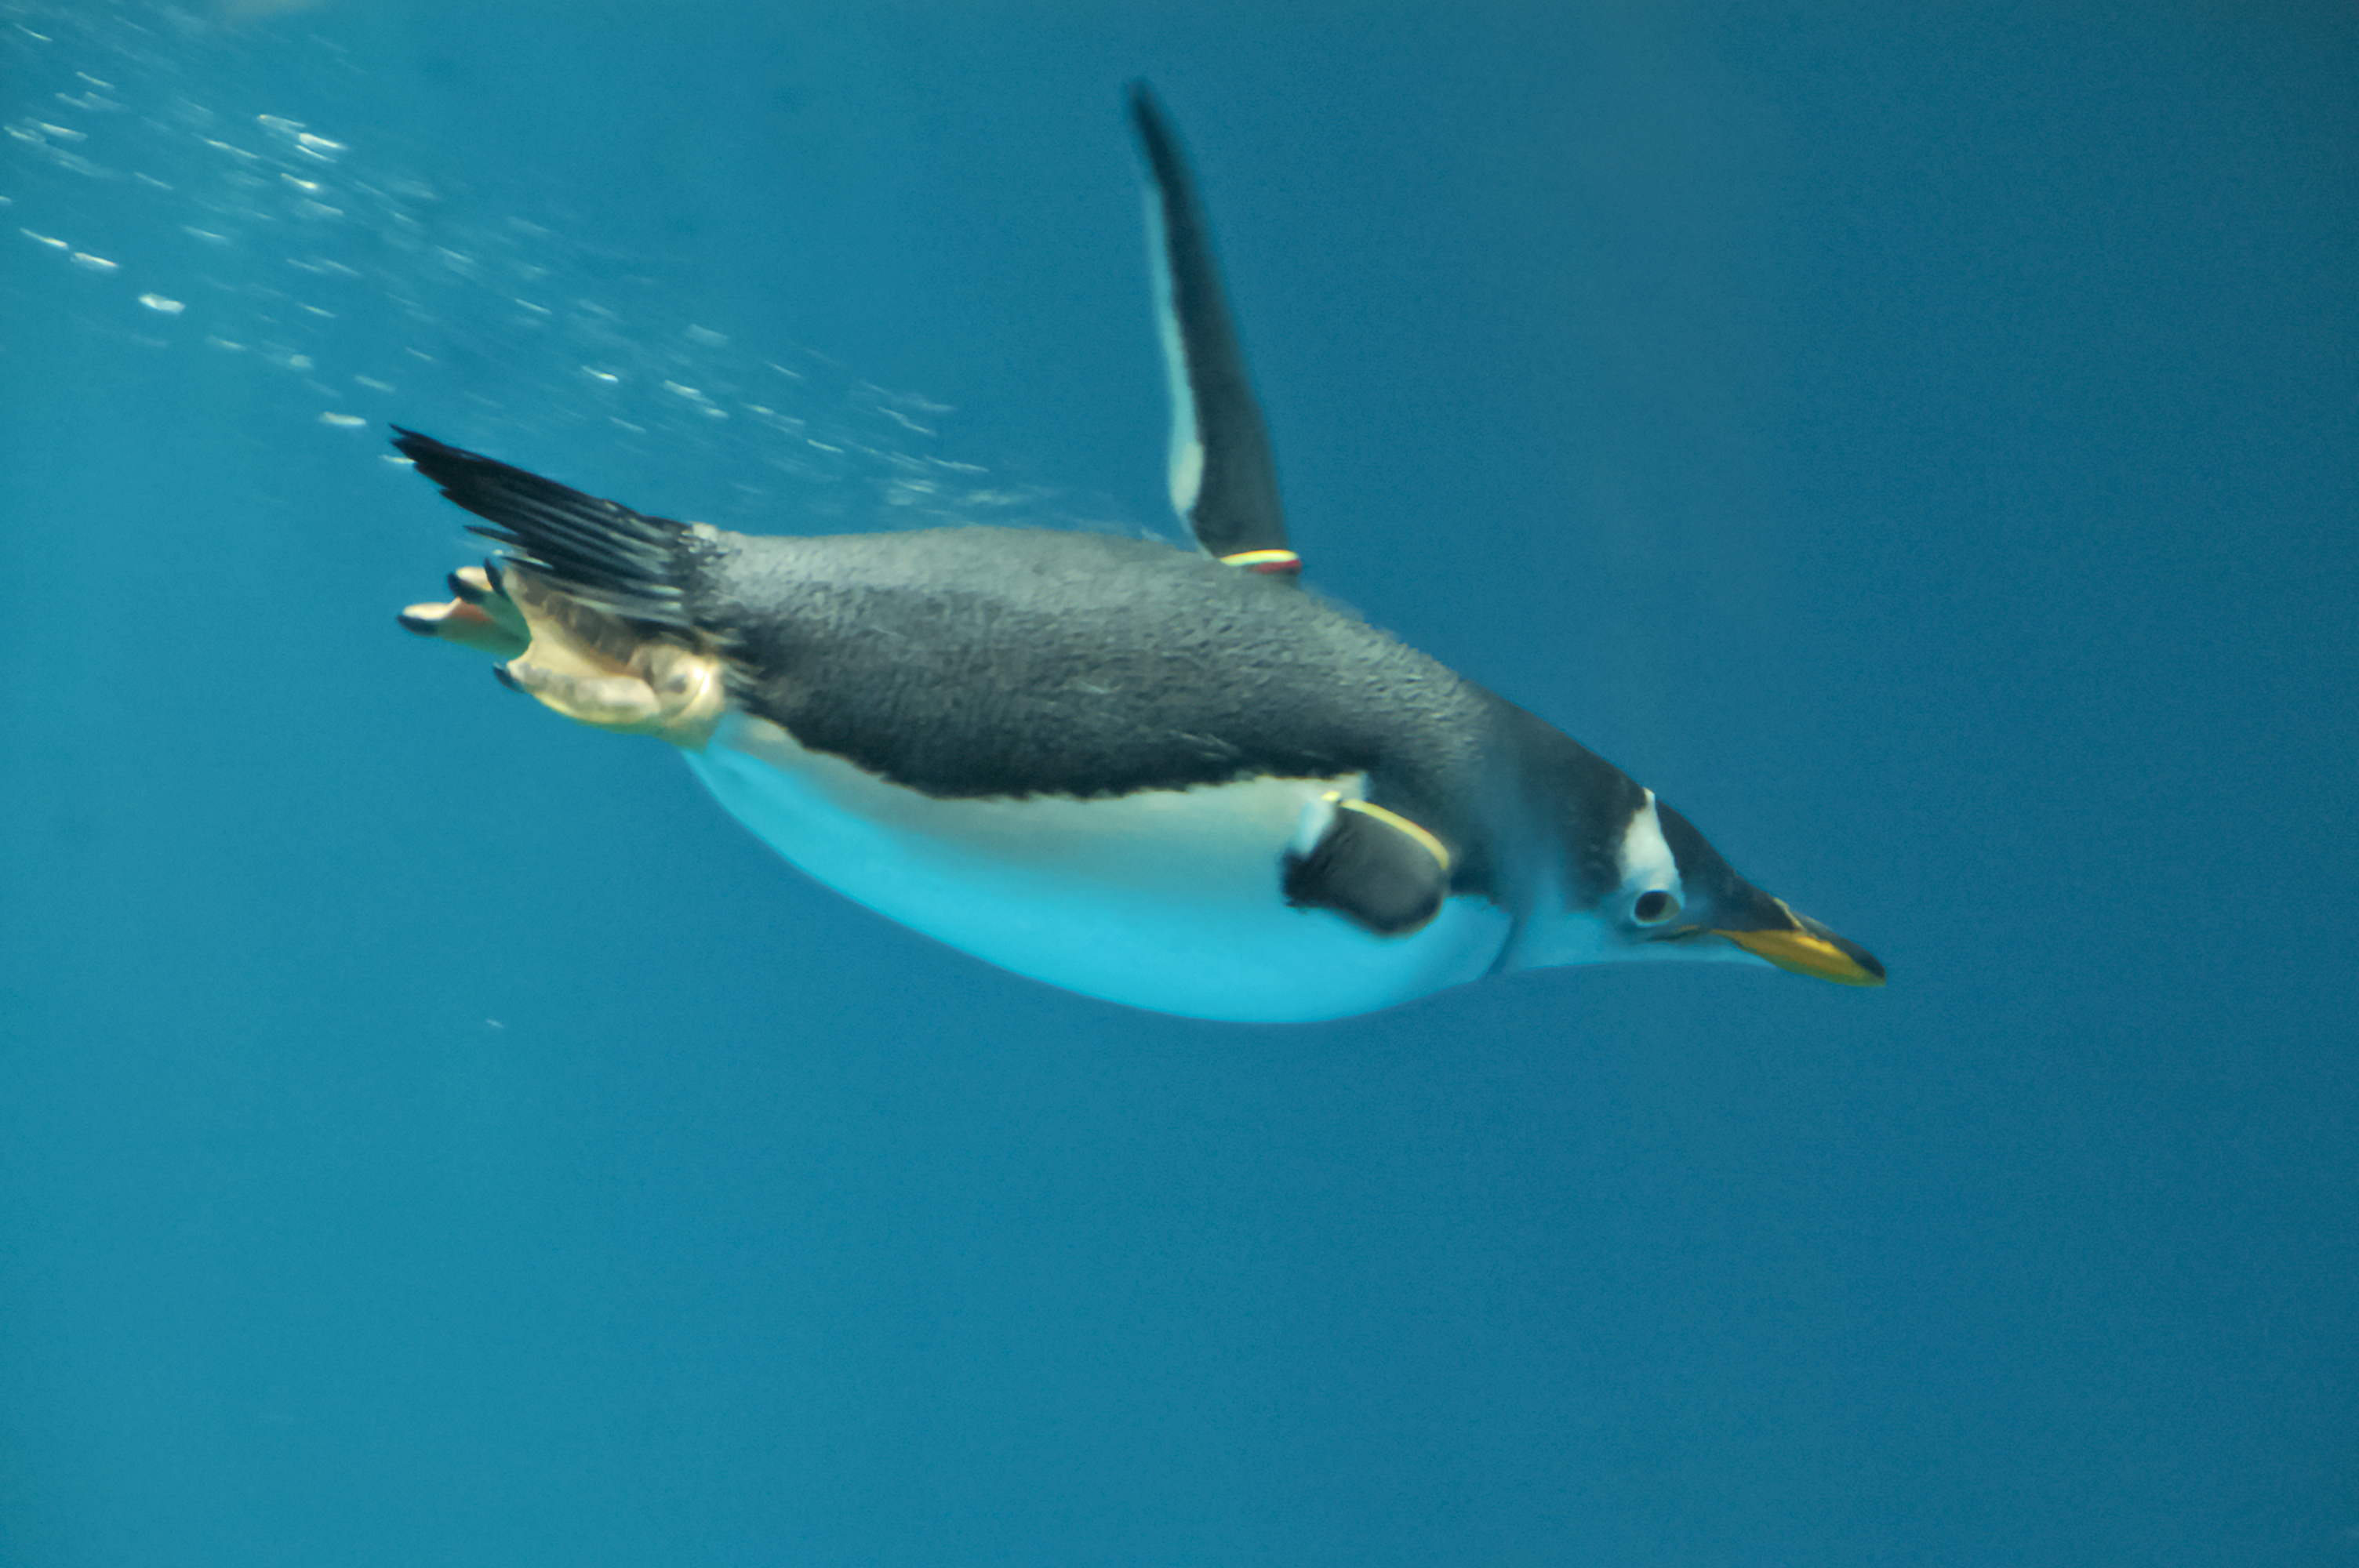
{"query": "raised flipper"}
[(583, 608), (1224, 478), (1373, 867)]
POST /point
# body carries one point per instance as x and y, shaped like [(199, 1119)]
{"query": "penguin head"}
[(1660, 890), (1678, 897)]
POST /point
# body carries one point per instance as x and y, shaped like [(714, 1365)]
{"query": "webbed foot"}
[(479, 616), (594, 667)]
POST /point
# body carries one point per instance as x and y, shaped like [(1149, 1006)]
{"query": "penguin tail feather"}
[(599, 551)]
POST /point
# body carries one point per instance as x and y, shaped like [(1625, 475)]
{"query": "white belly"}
[(1168, 899)]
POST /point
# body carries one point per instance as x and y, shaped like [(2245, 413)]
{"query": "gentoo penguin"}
[(1170, 779)]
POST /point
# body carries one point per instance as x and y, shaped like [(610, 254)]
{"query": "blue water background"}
[(1919, 441)]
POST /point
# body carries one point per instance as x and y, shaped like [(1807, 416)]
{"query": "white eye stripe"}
[(1647, 861)]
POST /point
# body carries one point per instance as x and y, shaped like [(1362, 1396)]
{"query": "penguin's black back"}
[(997, 663), (979, 661)]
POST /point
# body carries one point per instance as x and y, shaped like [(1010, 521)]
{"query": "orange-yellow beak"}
[(1819, 953)]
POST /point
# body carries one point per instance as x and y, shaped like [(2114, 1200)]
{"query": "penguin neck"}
[(1572, 808)]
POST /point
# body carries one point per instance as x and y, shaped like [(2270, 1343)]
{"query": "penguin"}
[(1168, 778)]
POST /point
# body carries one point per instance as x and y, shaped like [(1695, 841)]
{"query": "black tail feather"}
[(598, 551)]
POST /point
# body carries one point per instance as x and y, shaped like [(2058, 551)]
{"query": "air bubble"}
[(414, 281)]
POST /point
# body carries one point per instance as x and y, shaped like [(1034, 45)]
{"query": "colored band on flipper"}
[(1397, 823), (1373, 867), (1270, 563)]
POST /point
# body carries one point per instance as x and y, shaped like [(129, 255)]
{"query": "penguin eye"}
[(1654, 907)]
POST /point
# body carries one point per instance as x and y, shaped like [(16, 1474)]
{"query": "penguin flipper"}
[(1373, 867), (1224, 477)]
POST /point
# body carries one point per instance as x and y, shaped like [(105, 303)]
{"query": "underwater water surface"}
[(1920, 447)]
